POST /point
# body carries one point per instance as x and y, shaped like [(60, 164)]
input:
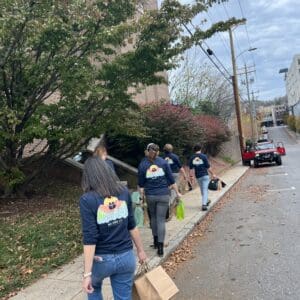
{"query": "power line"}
[(199, 44), (237, 42), (214, 63), (219, 34), (247, 34), (213, 53)]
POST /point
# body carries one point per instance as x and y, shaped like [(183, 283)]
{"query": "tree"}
[(71, 50), (202, 88)]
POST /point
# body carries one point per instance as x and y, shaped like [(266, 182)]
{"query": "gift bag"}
[(154, 285), (180, 210)]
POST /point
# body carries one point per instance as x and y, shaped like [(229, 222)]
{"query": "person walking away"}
[(101, 151), (175, 165), (200, 168), (154, 179), (108, 229)]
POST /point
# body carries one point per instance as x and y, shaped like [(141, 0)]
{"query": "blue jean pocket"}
[(103, 266), (127, 262)]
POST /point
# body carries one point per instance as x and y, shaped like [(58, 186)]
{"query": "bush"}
[(291, 122), (174, 124), (215, 132), (297, 124)]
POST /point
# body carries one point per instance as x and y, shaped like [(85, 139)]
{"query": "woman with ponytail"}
[(155, 180)]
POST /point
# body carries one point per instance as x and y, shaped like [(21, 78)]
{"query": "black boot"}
[(160, 249), (155, 241)]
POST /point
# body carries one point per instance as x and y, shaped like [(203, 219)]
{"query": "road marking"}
[(281, 190), (276, 174)]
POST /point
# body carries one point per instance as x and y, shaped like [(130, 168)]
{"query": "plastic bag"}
[(139, 216), (136, 198), (180, 210)]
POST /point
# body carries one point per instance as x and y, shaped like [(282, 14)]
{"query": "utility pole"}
[(236, 93), (254, 115)]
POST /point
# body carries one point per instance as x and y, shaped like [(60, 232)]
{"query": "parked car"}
[(82, 156), (266, 153), (263, 151)]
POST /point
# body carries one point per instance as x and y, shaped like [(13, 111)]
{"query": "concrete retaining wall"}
[(231, 149)]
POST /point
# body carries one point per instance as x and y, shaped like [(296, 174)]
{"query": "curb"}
[(189, 227)]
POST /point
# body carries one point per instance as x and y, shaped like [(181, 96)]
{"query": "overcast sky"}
[(273, 27)]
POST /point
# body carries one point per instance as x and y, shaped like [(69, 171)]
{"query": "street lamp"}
[(247, 50)]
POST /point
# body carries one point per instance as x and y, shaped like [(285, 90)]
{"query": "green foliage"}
[(64, 78), (208, 108), (249, 143), (11, 178)]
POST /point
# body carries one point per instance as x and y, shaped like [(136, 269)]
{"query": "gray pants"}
[(158, 207)]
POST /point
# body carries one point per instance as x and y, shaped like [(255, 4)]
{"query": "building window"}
[(298, 61)]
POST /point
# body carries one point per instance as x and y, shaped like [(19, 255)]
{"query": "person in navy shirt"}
[(200, 168), (108, 229), (174, 162), (155, 180)]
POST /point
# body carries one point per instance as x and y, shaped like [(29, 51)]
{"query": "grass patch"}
[(228, 160), (32, 244)]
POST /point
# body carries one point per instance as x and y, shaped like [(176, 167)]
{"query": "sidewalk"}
[(65, 283)]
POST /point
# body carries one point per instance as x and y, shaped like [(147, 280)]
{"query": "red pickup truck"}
[(262, 153)]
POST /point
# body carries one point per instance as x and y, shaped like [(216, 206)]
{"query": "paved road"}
[(252, 247)]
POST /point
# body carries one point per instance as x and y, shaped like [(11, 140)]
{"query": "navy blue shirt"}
[(155, 177), (106, 222), (200, 163), (173, 161)]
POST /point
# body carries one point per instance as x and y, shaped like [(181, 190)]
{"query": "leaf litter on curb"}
[(185, 250)]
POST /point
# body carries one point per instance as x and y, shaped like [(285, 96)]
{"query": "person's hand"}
[(87, 285), (214, 176), (179, 195), (192, 178), (142, 256)]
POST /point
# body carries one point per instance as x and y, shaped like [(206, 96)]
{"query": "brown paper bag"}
[(155, 285)]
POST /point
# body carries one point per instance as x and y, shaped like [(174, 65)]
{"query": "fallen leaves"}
[(184, 251), (26, 271)]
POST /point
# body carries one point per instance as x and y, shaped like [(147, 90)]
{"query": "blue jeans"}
[(120, 268), (203, 183)]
